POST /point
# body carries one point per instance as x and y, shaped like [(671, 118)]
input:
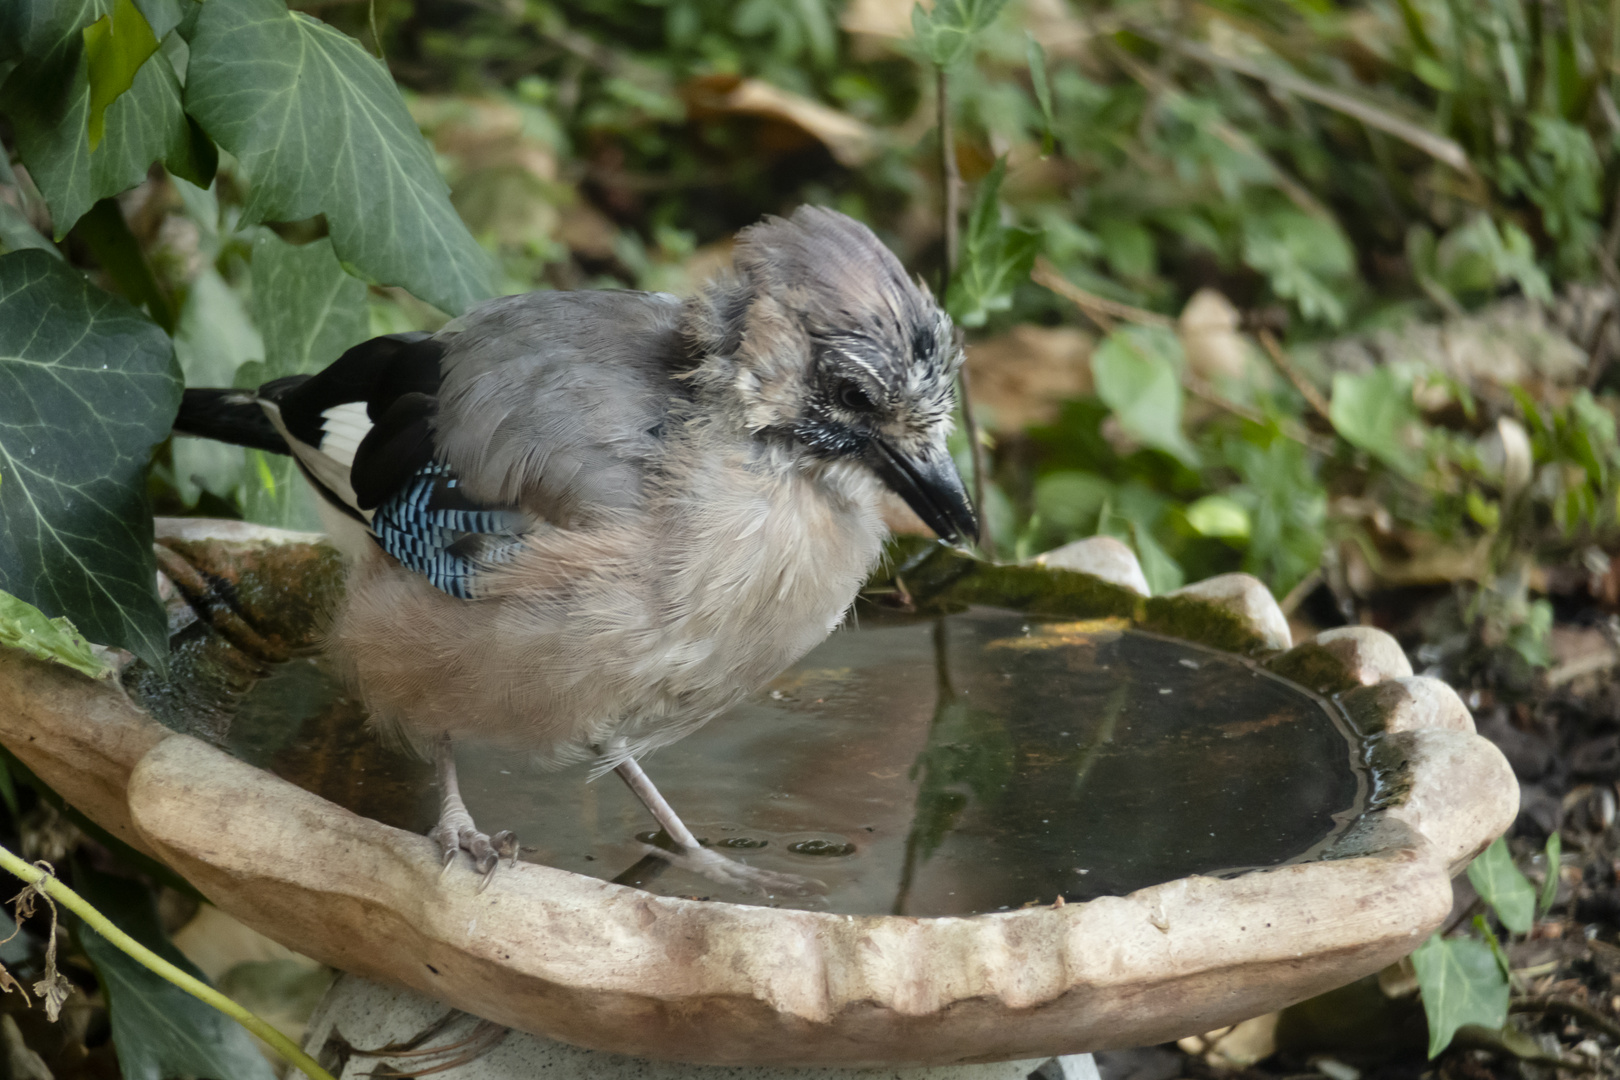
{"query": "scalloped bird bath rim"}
[(614, 968)]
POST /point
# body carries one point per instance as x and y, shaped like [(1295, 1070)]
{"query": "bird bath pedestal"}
[(1054, 816)]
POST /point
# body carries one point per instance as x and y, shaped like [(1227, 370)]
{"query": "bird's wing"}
[(546, 407)]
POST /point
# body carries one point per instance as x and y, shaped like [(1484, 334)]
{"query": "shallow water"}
[(941, 766)]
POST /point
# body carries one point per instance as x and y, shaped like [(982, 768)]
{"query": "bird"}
[(581, 524)]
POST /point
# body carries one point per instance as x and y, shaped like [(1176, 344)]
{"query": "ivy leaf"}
[(1307, 259), (158, 1029), (1461, 983), (87, 388), (23, 626), (1138, 375), (995, 259), (48, 97), (310, 311), (319, 128), (115, 47), (1375, 411), (946, 34), (1501, 885)]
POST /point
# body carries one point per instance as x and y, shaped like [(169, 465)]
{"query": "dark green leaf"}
[(48, 99), (87, 387), (115, 47), (309, 311), (159, 1030), (1461, 984), (946, 34), (1138, 376), (1501, 885), (1549, 887), (23, 626), (319, 128)]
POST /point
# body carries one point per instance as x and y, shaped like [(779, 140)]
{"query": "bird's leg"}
[(699, 859), (455, 830)]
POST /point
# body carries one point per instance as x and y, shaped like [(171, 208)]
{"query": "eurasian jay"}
[(581, 524)]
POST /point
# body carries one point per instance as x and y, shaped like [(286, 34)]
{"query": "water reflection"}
[(969, 763)]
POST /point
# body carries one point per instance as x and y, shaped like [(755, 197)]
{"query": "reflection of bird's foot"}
[(738, 875), (456, 832)]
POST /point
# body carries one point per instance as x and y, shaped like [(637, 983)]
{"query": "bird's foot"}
[(738, 875), (456, 833)]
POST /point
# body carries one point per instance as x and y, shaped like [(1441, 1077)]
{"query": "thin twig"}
[(1437, 146), (1570, 1008), (951, 180), (53, 888), (1093, 305), (1313, 397)]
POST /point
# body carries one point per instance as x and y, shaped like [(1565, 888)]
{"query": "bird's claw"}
[(485, 851), (738, 875)]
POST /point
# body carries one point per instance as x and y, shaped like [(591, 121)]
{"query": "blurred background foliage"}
[(1324, 291)]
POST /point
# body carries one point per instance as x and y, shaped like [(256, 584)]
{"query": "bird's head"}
[(822, 346)]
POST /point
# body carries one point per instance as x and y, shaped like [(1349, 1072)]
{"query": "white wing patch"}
[(342, 429)]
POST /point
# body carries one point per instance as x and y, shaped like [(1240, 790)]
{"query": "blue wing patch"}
[(435, 530)]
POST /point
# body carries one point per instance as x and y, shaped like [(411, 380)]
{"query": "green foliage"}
[(23, 626), (995, 259), (1501, 885), (159, 1030), (1375, 412), (1305, 257), (281, 90), (87, 387), (946, 34), (1554, 855), (53, 128), (115, 47), (1462, 984), (1138, 375)]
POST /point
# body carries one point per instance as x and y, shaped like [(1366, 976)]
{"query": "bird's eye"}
[(853, 398)]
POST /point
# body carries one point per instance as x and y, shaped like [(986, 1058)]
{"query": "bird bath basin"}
[(1053, 816)]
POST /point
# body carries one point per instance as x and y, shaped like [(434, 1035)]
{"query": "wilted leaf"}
[(159, 1030), (851, 142), (1138, 374), (23, 626), (946, 34), (1375, 411), (48, 99), (319, 128), (1502, 886), (1461, 983), (310, 312), (87, 387)]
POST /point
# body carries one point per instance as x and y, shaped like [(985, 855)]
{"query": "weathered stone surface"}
[(1246, 596), (1408, 703), (1442, 765), (1338, 660), (363, 1014), (1102, 557)]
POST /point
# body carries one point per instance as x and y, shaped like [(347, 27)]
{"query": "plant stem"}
[(53, 887), (951, 181)]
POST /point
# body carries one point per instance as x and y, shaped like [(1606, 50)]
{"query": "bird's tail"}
[(232, 416)]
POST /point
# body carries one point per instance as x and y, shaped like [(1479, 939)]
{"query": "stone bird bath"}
[(1055, 815)]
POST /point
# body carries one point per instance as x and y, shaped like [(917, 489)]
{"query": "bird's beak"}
[(930, 485)]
